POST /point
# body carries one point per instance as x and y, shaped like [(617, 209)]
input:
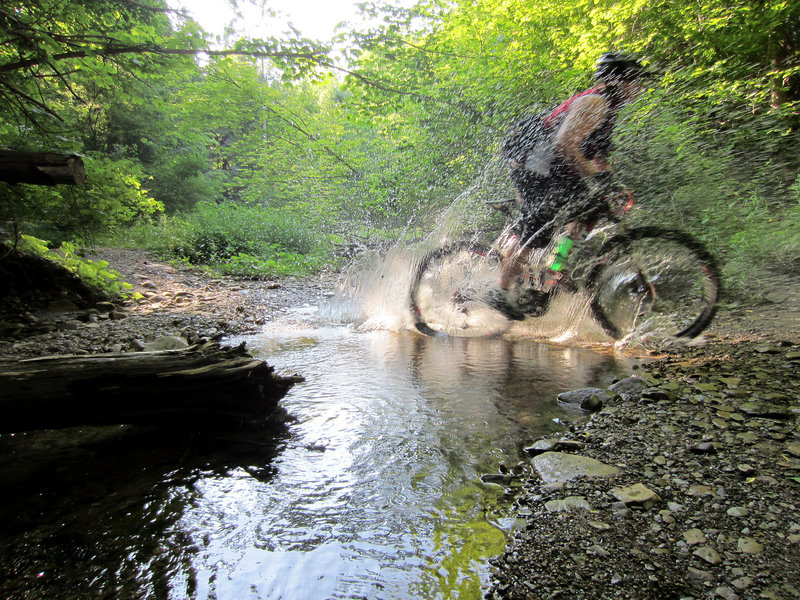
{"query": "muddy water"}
[(377, 488)]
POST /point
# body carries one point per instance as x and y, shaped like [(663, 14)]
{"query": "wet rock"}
[(553, 444), (630, 386), (554, 467), (589, 399), (542, 446)]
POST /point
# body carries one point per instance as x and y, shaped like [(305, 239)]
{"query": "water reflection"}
[(373, 490)]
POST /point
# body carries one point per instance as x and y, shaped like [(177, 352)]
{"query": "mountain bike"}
[(636, 281)]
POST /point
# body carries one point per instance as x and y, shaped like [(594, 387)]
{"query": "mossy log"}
[(41, 168), (206, 384)]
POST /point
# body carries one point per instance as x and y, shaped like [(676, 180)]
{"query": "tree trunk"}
[(204, 385), (41, 168)]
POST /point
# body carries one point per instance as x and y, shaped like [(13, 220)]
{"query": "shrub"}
[(95, 274), (236, 240)]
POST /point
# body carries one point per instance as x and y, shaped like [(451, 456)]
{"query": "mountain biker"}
[(569, 187)]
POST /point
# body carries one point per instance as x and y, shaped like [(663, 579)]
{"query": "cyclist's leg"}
[(514, 257)]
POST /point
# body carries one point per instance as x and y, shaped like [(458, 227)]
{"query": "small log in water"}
[(206, 384)]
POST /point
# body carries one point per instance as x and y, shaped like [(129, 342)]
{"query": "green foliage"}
[(724, 195), (239, 158), (95, 274), (113, 197), (236, 240), (281, 263)]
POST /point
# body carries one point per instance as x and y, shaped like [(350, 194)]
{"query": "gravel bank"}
[(704, 495)]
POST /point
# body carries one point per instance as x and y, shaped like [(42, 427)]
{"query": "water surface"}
[(374, 489)]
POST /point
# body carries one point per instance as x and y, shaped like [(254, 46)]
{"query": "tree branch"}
[(112, 51)]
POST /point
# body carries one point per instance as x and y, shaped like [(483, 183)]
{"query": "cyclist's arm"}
[(585, 115)]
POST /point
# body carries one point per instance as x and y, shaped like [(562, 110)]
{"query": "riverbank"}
[(694, 493), (685, 485)]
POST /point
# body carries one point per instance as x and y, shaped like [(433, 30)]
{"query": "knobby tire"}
[(655, 278), (447, 289)]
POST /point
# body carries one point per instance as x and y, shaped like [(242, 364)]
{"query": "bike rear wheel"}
[(652, 282), (448, 288)]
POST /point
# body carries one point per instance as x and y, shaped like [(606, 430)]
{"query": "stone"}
[(748, 545), (635, 494), (167, 342), (793, 449), (568, 504), (627, 386), (555, 467), (708, 554), (765, 409), (657, 395), (738, 511), (694, 537), (590, 399), (552, 444), (726, 593), (62, 306), (700, 575), (542, 446)]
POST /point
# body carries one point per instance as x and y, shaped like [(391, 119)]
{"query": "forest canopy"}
[(260, 155)]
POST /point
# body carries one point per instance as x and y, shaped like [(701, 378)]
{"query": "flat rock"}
[(555, 467), (635, 494), (167, 342), (568, 504)]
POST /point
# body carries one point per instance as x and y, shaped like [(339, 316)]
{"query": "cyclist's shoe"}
[(498, 300), (534, 302)]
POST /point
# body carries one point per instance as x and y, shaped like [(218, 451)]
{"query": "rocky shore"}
[(685, 484), (174, 307)]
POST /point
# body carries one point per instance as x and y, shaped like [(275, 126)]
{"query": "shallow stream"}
[(387, 481)]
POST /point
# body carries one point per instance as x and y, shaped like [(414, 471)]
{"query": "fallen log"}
[(201, 385), (41, 168)]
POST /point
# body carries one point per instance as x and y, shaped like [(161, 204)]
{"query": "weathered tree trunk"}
[(41, 168), (202, 385)]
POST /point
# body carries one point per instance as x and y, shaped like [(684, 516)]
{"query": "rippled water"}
[(373, 490)]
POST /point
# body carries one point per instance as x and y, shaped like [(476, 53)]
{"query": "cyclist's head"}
[(614, 66)]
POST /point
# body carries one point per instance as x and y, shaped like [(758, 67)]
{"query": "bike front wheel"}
[(448, 290), (651, 283)]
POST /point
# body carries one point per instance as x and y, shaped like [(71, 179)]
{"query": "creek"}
[(386, 482)]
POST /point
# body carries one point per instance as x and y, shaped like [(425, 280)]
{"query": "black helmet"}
[(614, 65)]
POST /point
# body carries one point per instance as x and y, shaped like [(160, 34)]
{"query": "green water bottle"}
[(560, 253)]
